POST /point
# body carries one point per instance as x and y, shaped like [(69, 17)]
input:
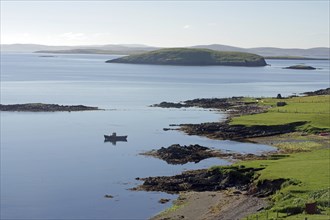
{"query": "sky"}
[(285, 24)]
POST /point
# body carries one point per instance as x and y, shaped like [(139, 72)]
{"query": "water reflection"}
[(114, 141)]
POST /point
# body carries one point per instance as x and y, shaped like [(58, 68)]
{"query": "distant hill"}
[(96, 51), (317, 52), (192, 57), (127, 49), (89, 49)]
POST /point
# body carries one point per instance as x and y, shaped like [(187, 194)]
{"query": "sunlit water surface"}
[(57, 166)]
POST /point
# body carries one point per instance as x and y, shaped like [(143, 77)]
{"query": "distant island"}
[(300, 67), (193, 57), (41, 107)]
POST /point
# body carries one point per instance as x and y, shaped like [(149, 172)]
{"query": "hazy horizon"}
[(284, 24), (147, 45)]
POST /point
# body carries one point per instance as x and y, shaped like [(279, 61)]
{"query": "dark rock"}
[(163, 201), (318, 92), (280, 104), (222, 130), (266, 187), (108, 196), (201, 180), (234, 105), (300, 67), (177, 154), (169, 105)]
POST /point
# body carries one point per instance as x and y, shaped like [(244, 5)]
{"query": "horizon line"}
[(146, 45)]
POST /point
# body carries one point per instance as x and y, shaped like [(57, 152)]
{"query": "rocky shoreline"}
[(41, 107), (233, 106), (213, 179), (177, 154), (224, 131)]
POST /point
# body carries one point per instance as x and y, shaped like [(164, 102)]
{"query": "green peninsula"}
[(193, 57)]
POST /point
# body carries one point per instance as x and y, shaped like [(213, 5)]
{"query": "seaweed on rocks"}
[(222, 130), (201, 180)]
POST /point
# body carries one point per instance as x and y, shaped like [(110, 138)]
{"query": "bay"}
[(56, 165)]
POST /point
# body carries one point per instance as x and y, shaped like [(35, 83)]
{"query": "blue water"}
[(56, 165)]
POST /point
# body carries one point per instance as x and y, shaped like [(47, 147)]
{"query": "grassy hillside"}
[(314, 110), (309, 182), (194, 57), (307, 171)]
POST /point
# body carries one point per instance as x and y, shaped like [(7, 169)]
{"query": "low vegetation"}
[(314, 110), (309, 181), (306, 166), (194, 57)]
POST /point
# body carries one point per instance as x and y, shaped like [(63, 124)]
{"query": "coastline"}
[(231, 203)]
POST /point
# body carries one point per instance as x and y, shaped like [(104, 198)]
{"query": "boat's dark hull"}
[(115, 138)]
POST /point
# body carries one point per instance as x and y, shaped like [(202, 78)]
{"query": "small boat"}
[(114, 138)]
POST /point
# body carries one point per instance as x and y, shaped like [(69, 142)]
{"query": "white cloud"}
[(187, 26)]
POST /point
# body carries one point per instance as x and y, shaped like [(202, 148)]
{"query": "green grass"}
[(311, 177), (192, 56), (309, 170), (299, 146), (314, 110)]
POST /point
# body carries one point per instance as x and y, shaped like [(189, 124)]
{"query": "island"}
[(41, 107), (193, 57), (300, 67)]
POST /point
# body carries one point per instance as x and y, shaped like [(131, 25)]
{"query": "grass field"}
[(314, 110), (310, 175), (308, 170)]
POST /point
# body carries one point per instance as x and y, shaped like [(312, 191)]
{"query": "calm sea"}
[(57, 166)]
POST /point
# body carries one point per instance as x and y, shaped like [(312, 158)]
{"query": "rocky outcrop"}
[(201, 180), (177, 154), (40, 107), (222, 130), (300, 67), (318, 92), (233, 106)]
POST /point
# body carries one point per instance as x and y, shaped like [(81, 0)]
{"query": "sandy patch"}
[(224, 205)]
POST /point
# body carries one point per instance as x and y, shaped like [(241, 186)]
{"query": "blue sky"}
[(286, 24)]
